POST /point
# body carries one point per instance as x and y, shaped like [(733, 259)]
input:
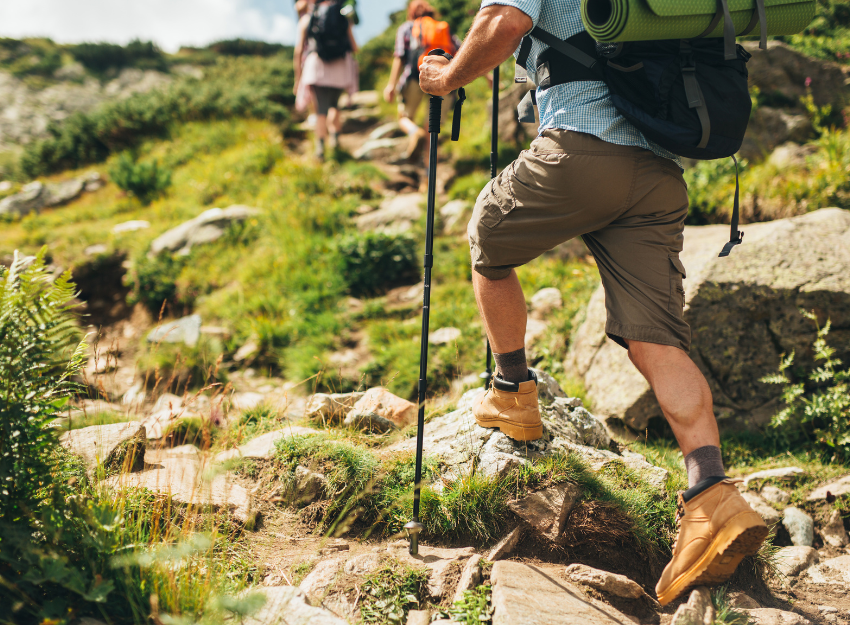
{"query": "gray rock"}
[(834, 571), (772, 616), (546, 511), (837, 488), (363, 564), (534, 329), (207, 227), (800, 525), (386, 405), (548, 390), (618, 585), (545, 301), (770, 127), (698, 610), (308, 487), (330, 408), (742, 601), (368, 421), (185, 330), (453, 214), (184, 479), (385, 130), (791, 154), (287, 605), (394, 215), (505, 547), (317, 584), (263, 447), (117, 445), (775, 495), (378, 148), (791, 561), (23, 203), (444, 336), (723, 296), (534, 595), (464, 447), (770, 514), (419, 617), (833, 532), (470, 577), (246, 401), (782, 473), (131, 226)]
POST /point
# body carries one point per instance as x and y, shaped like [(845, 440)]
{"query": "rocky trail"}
[(559, 558)]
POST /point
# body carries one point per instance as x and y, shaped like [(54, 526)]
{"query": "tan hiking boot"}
[(511, 407), (717, 529)]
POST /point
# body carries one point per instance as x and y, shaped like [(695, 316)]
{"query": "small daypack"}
[(328, 30), (426, 35)]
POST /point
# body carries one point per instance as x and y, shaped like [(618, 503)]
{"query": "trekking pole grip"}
[(434, 114)]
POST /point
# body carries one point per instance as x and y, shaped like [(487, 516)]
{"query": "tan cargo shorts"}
[(626, 203)]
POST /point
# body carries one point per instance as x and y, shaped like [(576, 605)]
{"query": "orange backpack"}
[(427, 34)]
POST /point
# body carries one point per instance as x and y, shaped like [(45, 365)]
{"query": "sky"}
[(171, 23)]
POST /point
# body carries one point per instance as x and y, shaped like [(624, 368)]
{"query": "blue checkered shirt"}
[(578, 106)]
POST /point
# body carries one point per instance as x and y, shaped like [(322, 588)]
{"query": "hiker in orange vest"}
[(421, 33)]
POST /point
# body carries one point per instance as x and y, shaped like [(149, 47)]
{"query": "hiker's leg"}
[(502, 307), (682, 393), (539, 201), (321, 126)]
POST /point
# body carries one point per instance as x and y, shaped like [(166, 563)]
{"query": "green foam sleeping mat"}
[(642, 20)]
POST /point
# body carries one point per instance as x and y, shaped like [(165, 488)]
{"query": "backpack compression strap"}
[(737, 237), (723, 13)]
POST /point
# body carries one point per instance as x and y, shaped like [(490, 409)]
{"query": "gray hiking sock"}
[(512, 367), (703, 463)]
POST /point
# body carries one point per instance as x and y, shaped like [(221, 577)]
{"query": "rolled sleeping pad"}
[(643, 20)]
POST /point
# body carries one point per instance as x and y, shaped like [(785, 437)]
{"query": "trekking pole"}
[(494, 157), (414, 527)]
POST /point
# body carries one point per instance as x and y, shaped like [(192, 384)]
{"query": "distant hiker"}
[(327, 44), (421, 33), (590, 173)]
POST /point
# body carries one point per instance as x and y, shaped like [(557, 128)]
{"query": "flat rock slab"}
[(782, 473), (287, 605), (532, 595), (792, 561), (837, 488), (833, 571), (205, 228), (767, 512), (322, 577), (772, 616), (183, 479), (263, 447), (103, 444), (612, 583)]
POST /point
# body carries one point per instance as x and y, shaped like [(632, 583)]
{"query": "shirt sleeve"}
[(531, 8), (402, 40)]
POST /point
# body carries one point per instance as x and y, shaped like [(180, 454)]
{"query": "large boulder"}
[(394, 215), (207, 227), (37, 195), (115, 446), (744, 314)]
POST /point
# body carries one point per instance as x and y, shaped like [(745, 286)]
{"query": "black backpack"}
[(329, 30), (689, 96)]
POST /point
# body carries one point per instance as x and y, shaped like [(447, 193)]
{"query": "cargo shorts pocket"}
[(677, 289)]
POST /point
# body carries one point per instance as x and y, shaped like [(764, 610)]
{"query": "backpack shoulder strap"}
[(567, 49)]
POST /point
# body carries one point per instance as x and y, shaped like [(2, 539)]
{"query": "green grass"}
[(474, 607), (391, 592), (724, 613), (104, 417)]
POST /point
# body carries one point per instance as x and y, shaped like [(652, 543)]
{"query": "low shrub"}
[(391, 592), (30, 57), (146, 181), (100, 57), (817, 405), (372, 263)]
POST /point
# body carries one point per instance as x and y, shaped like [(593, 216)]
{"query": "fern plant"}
[(817, 409)]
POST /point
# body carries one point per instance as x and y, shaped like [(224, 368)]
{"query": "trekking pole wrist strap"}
[(434, 116)]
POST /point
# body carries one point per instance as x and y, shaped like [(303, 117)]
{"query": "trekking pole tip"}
[(414, 528)]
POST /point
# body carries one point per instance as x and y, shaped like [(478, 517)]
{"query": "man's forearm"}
[(495, 34)]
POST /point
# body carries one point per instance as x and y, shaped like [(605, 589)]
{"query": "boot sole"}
[(742, 536), (513, 430)]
